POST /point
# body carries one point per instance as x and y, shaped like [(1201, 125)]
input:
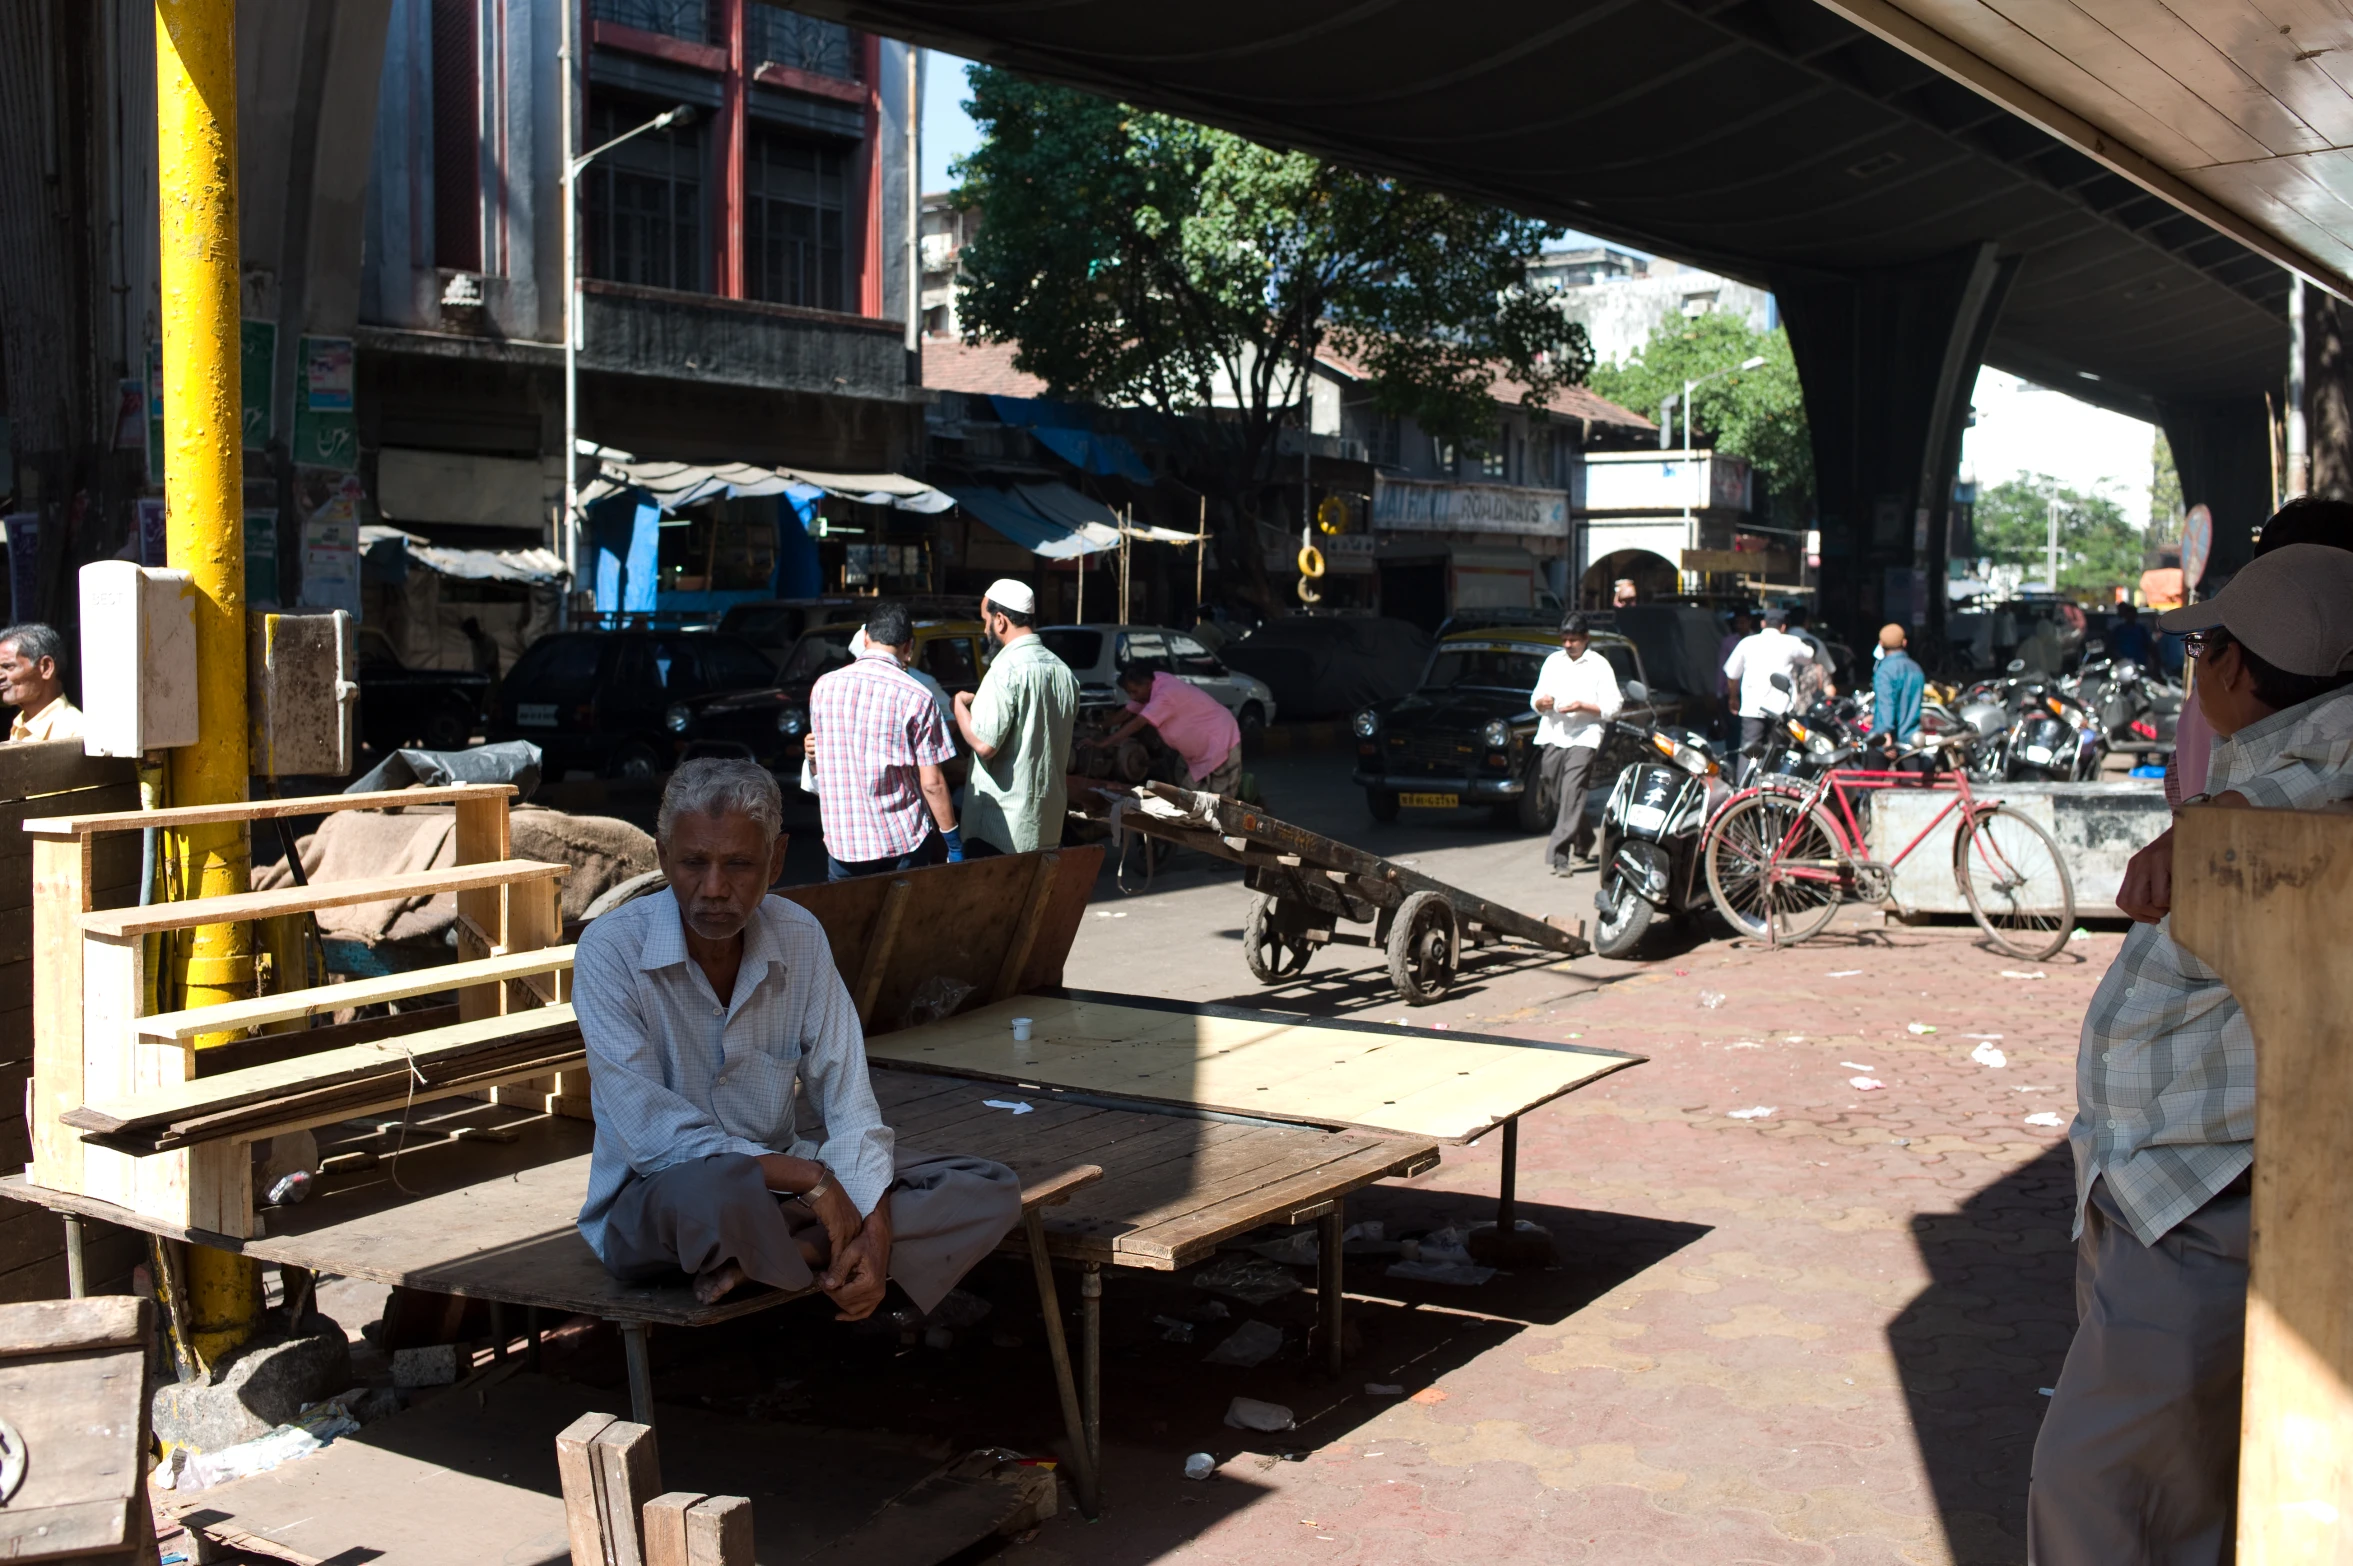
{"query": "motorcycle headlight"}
[(791, 722), (1819, 744), (1496, 735), (677, 719), (1367, 724)]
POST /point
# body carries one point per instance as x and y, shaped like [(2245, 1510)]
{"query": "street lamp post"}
[(1689, 387), (682, 114)]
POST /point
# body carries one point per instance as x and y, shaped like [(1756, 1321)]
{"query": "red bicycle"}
[(1780, 860)]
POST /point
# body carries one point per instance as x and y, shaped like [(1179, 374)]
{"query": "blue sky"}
[(947, 133)]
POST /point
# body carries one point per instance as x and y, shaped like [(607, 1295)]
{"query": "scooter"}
[(1650, 838)]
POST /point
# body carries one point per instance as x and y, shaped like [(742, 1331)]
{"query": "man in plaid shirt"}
[(879, 745), (2137, 1460)]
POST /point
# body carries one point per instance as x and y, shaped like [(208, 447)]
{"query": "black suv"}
[(631, 704), (398, 705)]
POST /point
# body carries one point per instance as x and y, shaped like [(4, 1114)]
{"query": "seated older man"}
[(702, 1008)]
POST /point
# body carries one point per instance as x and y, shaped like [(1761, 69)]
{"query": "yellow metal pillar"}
[(203, 432)]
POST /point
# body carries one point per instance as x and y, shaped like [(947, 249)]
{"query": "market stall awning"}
[(527, 566), (1008, 513), (677, 485)]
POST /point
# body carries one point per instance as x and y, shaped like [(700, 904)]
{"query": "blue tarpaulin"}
[(1067, 430), (625, 532), (1009, 514), (798, 573)]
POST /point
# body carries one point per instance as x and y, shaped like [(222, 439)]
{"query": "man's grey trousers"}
[(946, 1214), (2138, 1460)]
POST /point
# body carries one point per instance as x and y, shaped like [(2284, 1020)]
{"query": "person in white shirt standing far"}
[(1576, 694), (1754, 663)]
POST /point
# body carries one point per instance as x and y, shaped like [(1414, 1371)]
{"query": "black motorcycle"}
[(1650, 837)]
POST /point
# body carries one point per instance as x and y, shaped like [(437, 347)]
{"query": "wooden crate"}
[(93, 1045)]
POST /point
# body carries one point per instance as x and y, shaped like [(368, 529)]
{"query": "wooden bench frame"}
[(96, 1057)]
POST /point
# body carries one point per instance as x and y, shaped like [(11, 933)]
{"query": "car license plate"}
[(1429, 801), (536, 714)]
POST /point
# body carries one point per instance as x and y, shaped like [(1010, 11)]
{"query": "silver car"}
[(1096, 652)]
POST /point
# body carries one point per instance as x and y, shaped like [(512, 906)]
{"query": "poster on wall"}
[(257, 354), (330, 547), (154, 545), (326, 434), (261, 557)]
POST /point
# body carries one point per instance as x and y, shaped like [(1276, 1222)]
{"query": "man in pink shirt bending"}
[(1191, 723)]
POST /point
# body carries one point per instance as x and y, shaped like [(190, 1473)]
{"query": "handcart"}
[(1308, 885)]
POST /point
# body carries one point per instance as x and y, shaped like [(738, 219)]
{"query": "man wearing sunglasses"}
[(2137, 1459)]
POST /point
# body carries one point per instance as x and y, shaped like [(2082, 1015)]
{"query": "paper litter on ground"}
[(1758, 1113), (1843, 973), (1014, 1104), (1248, 1413), (1252, 1343), (2044, 1118), (1864, 1084), (1251, 1279), (1856, 1065), (2012, 973), (1920, 1027), (1987, 1055)]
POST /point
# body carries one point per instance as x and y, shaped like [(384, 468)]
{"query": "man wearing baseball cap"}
[(1018, 725), (2137, 1459)]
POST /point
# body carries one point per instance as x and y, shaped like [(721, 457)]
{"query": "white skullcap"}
[(1007, 593)]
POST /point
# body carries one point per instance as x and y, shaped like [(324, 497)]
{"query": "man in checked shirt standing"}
[(879, 744), (2137, 1460)]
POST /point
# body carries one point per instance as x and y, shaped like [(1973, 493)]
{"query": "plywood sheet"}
[(1419, 1082)]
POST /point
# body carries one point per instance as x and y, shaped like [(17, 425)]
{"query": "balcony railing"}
[(693, 20), (776, 36)]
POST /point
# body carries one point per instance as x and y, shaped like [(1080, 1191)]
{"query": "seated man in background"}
[(703, 1008), (1190, 722), (31, 682)]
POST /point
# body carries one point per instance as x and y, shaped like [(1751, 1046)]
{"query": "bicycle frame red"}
[(1836, 783)]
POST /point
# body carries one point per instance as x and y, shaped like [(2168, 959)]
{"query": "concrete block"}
[(2098, 827), (435, 1365), (265, 1385)]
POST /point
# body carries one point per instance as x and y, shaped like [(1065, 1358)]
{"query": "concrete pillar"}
[(1888, 357), (2328, 396), (2222, 448)]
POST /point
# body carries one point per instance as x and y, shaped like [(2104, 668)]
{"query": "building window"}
[(1388, 436), (457, 136), (1699, 304), (773, 35), (644, 200), (690, 19), (794, 221), (1495, 461)]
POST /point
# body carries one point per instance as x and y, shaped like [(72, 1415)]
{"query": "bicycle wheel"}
[(2016, 883), (1777, 867)]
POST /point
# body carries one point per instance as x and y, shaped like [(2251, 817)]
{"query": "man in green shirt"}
[(1018, 725)]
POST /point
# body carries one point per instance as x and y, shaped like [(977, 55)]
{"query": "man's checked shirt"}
[(673, 1075), (2165, 1077), (874, 725)]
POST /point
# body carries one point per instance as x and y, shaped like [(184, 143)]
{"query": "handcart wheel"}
[(1274, 941), (1424, 944)]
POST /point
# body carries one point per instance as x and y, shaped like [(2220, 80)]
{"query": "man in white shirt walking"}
[(1576, 695), (1754, 663)]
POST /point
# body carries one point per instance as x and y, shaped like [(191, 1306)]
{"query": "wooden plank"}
[(628, 1474), (480, 837), (881, 940), (61, 896), (1417, 1082), (240, 906), (665, 1527), (56, 767), (1180, 1238), (65, 1326), (237, 1015), (719, 1531), (2261, 896), (1025, 927), (576, 1471), (358, 1064), (82, 825)]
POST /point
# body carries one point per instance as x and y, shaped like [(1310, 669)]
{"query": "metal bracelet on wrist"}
[(824, 1179)]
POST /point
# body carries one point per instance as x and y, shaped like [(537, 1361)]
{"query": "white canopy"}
[(677, 485)]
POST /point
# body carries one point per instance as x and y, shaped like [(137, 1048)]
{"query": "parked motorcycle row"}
[(2018, 727)]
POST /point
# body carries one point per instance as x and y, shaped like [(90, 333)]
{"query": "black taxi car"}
[(1466, 736)]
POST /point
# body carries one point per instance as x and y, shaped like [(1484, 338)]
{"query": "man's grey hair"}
[(716, 786), (35, 641)]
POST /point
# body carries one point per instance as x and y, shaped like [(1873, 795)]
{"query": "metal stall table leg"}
[(1090, 1295), (1504, 1245), (1329, 1282), (1082, 1460)]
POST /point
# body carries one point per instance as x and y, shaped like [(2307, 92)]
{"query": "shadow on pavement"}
[(1975, 1346)]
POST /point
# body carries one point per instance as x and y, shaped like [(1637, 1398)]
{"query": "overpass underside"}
[(1911, 228)]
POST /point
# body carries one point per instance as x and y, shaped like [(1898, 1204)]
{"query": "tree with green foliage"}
[(2165, 502), (2098, 549), (1758, 414), (1139, 258)]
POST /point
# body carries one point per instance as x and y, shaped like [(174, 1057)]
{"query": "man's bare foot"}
[(715, 1285)]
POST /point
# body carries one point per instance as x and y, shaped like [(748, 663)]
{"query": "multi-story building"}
[(1620, 299), (947, 229)]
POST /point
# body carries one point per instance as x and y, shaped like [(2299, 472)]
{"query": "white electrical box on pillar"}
[(138, 659)]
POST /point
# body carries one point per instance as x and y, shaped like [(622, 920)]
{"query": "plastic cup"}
[(1021, 1030)]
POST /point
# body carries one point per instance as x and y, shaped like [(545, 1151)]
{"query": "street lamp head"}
[(683, 114), (1756, 363)]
